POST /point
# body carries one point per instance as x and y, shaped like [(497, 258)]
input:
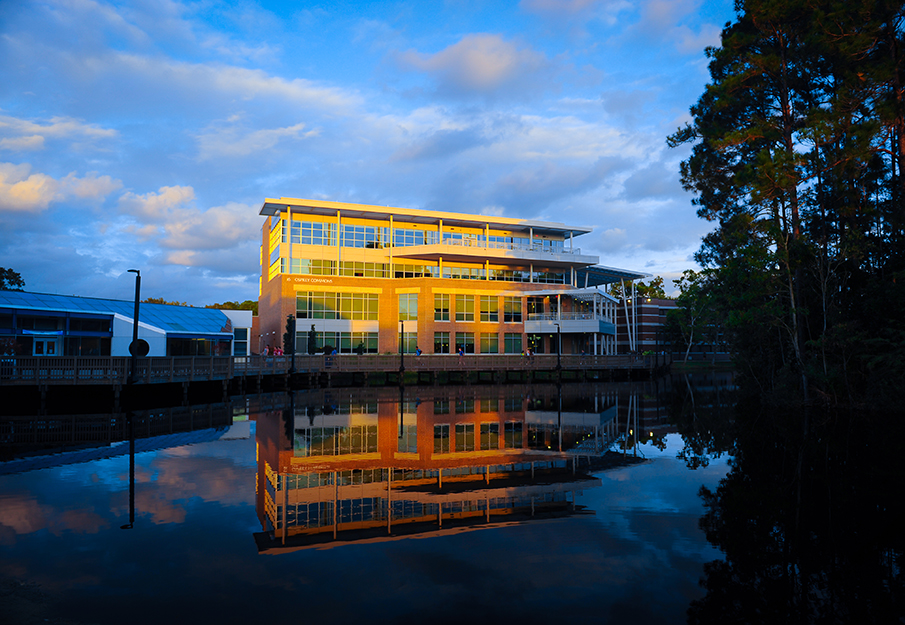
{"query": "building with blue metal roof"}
[(40, 324)]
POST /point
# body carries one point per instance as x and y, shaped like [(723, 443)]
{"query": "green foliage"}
[(160, 300), (248, 304), (653, 288), (10, 280), (798, 148)]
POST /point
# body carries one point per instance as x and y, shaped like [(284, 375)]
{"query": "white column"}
[(289, 239), (339, 242)]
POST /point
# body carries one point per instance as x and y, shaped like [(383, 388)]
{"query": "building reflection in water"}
[(340, 466)]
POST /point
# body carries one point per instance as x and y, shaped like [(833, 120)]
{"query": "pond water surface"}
[(439, 504)]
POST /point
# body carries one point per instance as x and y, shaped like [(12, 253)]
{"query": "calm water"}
[(285, 516)]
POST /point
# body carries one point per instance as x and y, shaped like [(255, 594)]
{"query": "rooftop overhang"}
[(419, 216), (599, 274), (587, 294), (513, 257)]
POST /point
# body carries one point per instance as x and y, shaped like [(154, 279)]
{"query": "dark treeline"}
[(798, 155)]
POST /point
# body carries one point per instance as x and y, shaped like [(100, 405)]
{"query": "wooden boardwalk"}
[(66, 370)]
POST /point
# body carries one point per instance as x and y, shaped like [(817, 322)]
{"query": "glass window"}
[(465, 341), (490, 343), (512, 343), (512, 309), (363, 236), (490, 404), (408, 439), (464, 308), (408, 306), (240, 342), (441, 342), (329, 305), (409, 342), (536, 343), (490, 308), (344, 342), (512, 435), (535, 306), (441, 438), (441, 307), (490, 435), (465, 437)]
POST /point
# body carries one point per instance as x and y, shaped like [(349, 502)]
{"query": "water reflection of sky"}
[(191, 555)]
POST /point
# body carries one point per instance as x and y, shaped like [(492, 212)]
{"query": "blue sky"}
[(147, 134)]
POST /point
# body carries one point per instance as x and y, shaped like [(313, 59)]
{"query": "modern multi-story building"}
[(370, 279)]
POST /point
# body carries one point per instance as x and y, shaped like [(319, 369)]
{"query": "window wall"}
[(408, 307), (441, 342), (512, 309), (441, 307), (465, 340), (464, 307), (490, 308), (332, 305), (490, 343)]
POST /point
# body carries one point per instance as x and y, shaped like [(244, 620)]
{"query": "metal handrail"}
[(115, 370), (569, 316)]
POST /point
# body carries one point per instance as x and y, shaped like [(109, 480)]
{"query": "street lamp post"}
[(558, 347), (133, 348)]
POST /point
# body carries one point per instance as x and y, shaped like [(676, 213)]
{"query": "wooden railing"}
[(115, 370)]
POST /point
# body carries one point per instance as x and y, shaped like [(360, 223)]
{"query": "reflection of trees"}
[(810, 518), (702, 411)]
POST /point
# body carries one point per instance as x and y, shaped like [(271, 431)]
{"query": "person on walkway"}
[(417, 351)]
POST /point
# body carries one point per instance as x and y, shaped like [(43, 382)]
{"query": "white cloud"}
[(689, 42), (613, 239), (482, 64), (212, 82), (24, 191), (23, 144), (576, 10), (156, 207), (218, 227), (91, 186), (24, 134), (235, 142)]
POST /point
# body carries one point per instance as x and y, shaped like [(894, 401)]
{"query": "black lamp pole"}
[(134, 346), (558, 347)]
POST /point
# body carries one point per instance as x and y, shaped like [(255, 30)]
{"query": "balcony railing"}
[(39, 370), (567, 316), (498, 245)]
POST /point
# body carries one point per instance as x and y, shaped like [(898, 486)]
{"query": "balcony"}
[(569, 322), (470, 251)]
